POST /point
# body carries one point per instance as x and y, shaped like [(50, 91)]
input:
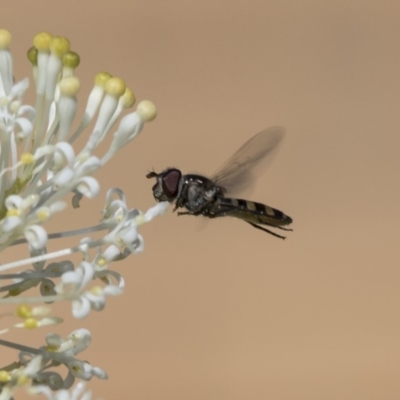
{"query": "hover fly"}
[(208, 196)]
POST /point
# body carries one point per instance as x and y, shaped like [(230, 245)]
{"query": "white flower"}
[(40, 165), (64, 352), (19, 376)]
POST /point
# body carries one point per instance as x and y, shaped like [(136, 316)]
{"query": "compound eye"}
[(170, 182)]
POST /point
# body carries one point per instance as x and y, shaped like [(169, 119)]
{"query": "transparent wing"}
[(239, 172)]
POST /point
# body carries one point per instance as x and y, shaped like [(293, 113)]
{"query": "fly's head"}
[(167, 185)]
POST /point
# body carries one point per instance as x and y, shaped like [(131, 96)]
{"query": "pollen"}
[(24, 311), (101, 78), (59, 46), (128, 98), (71, 59), (5, 39), (42, 41), (101, 261), (147, 110), (4, 376), (27, 158), (52, 348), (14, 212), (22, 379), (30, 323), (32, 55), (69, 86), (96, 290), (43, 214), (115, 87)]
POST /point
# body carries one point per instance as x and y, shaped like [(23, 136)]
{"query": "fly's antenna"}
[(151, 174)]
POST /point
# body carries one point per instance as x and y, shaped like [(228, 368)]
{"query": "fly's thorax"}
[(198, 191), (210, 193)]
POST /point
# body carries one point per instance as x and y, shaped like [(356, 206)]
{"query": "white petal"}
[(88, 186), (13, 202), (115, 192), (10, 223), (19, 88), (88, 166), (82, 338), (29, 201), (64, 177), (44, 151), (63, 394), (80, 369), (34, 365), (97, 302), (78, 390), (100, 373), (50, 321), (36, 236), (111, 252), (81, 276), (64, 154), (80, 308), (71, 278), (118, 277), (116, 210), (111, 290), (128, 235), (57, 206), (6, 392), (27, 111), (25, 127), (139, 245), (41, 389), (53, 339)]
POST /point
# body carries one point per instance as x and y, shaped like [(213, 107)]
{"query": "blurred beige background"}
[(224, 311)]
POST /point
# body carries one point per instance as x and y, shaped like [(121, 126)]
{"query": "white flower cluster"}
[(39, 167)]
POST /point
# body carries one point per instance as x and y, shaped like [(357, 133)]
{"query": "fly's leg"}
[(267, 230), (275, 226), (284, 229), (189, 213)]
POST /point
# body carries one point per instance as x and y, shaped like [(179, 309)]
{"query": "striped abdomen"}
[(252, 212)]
